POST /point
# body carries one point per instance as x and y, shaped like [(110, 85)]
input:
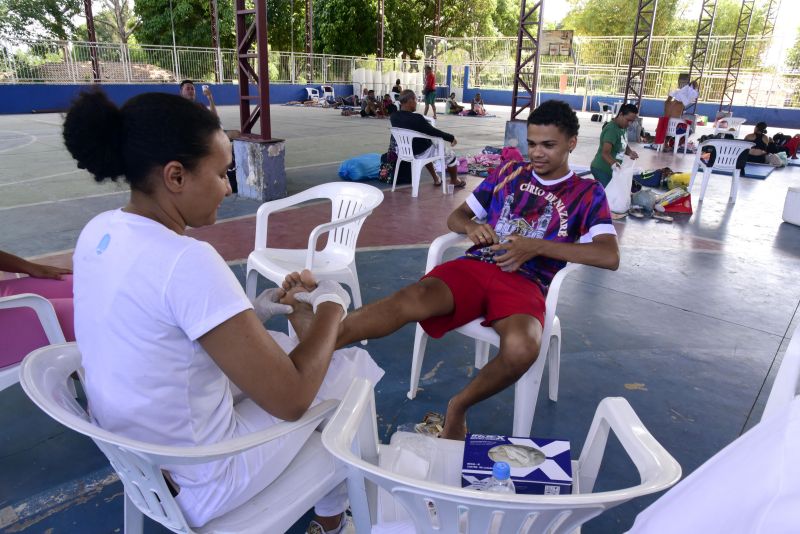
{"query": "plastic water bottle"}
[(500, 482)]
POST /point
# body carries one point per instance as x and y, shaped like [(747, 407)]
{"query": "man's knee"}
[(519, 351), (427, 298)]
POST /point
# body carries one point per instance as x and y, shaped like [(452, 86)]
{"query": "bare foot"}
[(455, 423), (297, 283)]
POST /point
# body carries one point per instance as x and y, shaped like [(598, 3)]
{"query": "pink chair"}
[(33, 313)]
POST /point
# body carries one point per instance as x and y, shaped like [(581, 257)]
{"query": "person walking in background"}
[(429, 91), (614, 144)]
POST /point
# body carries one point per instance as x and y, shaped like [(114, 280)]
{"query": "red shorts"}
[(482, 289)]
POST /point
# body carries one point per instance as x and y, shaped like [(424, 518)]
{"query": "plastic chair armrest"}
[(657, 468), (268, 208), (440, 245), (206, 453), (44, 311)]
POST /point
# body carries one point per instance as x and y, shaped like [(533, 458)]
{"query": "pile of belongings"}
[(488, 160)]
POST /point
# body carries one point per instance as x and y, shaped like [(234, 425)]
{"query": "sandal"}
[(459, 183), (437, 183)]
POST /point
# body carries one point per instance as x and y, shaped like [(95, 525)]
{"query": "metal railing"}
[(70, 62)]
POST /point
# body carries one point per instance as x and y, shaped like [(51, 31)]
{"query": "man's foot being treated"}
[(455, 423)]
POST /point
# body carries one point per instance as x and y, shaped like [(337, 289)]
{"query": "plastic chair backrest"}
[(787, 380), (312, 93), (404, 139), (727, 152), (44, 377), (673, 126), (347, 202)]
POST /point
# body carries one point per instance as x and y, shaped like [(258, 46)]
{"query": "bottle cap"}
[(501, 471)]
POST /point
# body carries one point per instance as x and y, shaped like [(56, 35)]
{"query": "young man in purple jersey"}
[(538, 216)]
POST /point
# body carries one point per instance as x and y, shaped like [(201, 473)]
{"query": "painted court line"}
[(38, 178), (32, 140)]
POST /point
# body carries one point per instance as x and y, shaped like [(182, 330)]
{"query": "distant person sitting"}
[(189, 92), (476, 107), (397, 88), (369, 105), (388, 104), (409, 119), (454, 107), (764, 149)]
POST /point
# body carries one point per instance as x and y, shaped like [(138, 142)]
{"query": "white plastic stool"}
[(791, 208)]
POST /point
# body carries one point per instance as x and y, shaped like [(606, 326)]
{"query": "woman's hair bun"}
[(93, 134)]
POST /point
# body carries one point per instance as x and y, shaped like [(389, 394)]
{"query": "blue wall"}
[(774, 117), (31, 98)]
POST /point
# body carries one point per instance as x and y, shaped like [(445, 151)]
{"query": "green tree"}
[(615, 17), (346, 27), (281, 20), (506, 17), (727, 17), (46, 18), (192, 22), (793, 56), (115, 23)]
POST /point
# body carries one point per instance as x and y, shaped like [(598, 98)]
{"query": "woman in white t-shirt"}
[(166, 333)]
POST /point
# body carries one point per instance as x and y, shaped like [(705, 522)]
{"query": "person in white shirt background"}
[(169, 341)]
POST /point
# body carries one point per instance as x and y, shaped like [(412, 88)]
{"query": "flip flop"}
[(459, 184), (437, 184)]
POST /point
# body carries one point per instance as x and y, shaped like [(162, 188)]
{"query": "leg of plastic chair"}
[(251, 283), (691, 180), (706, 176), (355, 289), (526, 393), (734, 186), (416, 172), (481, 353), (396, 170), (554, 360), (420, 342), (133, 518)]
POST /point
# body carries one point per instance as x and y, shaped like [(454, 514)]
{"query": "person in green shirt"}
[(614, 144)]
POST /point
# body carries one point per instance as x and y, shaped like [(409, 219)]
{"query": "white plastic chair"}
[(727, 152), (672, 131), (311, 475), (9, 375), (327, 93), (607, 110), (395, 97), (727, 125), (404, 140), (437, 504), (787, 380), (351, 203), (312, 93), (526, 390)]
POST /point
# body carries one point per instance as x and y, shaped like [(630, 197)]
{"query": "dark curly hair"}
[(559, 114), (146, 133)]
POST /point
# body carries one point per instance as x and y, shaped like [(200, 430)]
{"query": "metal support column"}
[(737, 52), (766, 38), (526, 67), (697, 65), (640, 51), (309, 39), (381, 18), (215, 40), (247, 34), (87, 6)]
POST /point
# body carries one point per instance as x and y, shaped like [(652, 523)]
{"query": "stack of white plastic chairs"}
[(382, 82)]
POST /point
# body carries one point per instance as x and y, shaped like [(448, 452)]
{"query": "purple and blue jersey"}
[(516, 201)]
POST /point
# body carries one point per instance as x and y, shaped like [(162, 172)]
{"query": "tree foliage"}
[(114, 23), (192, 20), (48, 18)]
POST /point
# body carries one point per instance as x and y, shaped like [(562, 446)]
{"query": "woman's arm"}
[(14, 264), (283, 386)]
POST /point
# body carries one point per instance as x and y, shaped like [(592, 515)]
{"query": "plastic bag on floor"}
[(364, 167), (618, 190)]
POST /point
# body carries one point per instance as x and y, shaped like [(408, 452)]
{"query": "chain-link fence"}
[(599, 65)]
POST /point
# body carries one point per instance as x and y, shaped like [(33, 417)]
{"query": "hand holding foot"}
[(268, 304)]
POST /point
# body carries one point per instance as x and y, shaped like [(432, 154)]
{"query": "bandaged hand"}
[(326, 291), (266, 305)]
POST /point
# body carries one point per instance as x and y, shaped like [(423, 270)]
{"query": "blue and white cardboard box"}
[(538, 466)]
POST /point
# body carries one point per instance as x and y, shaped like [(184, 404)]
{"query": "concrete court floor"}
[(690, 329)]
